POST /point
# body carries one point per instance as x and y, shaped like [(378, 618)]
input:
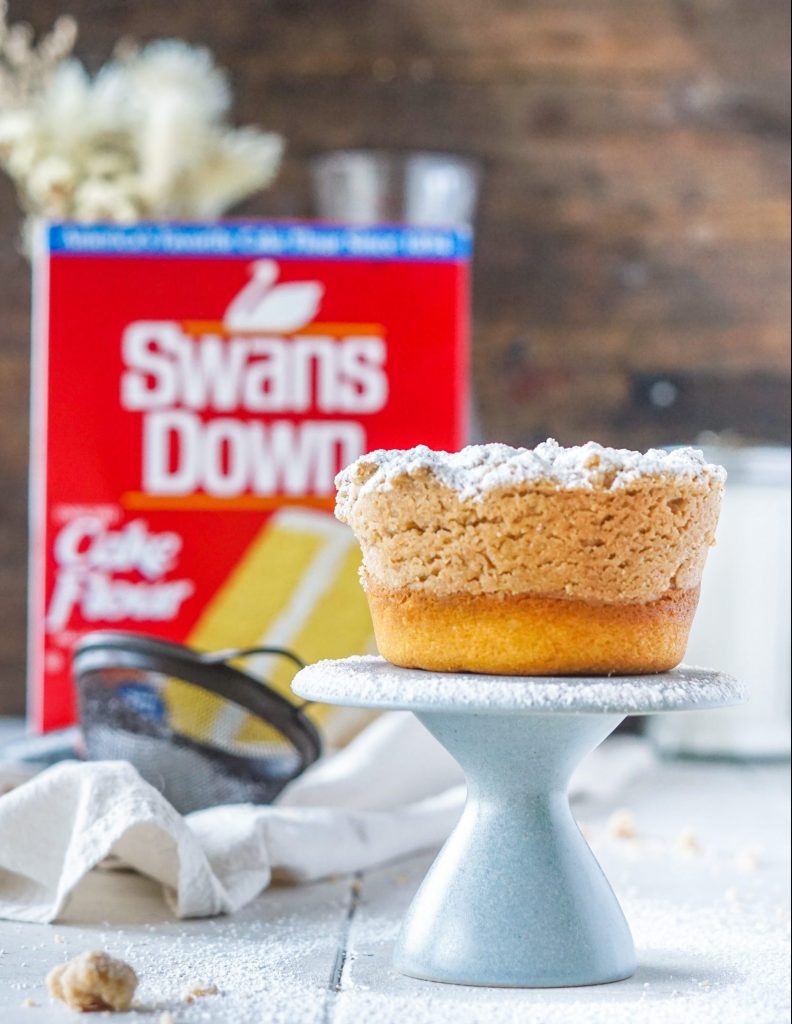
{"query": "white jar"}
[(742, 625)]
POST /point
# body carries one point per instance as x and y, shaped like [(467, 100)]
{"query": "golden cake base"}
[(527, 635)]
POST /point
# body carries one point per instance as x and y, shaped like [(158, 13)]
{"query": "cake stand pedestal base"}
[(515, 897)]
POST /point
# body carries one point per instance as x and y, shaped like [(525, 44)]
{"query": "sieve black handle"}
[(236, 653)]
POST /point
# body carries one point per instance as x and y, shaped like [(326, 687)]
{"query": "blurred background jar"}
[(423, 189), (742, 625), (365, 187)]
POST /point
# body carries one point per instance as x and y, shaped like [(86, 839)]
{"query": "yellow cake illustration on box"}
[(296, 587)]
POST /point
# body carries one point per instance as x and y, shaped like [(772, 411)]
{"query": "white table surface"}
[(704, 884)]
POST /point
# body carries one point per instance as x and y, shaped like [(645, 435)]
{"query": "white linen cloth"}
[(391, 792)]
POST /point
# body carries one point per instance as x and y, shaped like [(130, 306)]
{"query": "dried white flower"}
[(145, 137), (16, 127), (108, 163), (172, 66), (26, 66), (51, 182), (241, 162), (22, 158), (97, 200)]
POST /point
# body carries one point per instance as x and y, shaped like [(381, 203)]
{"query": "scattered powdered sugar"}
[(368, 681), (478, 469), (268, 963), (712, 943), (702, 961), (695, 964)]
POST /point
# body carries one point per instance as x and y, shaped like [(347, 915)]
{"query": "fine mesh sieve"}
[(199, 729)]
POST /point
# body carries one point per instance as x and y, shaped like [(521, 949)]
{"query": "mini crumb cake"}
[(543, 561)]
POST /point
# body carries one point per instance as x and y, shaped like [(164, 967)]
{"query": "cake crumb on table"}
[(29, 1003), (621, 825), (749, 859), (687, 842), (200, 992), (93, 981)]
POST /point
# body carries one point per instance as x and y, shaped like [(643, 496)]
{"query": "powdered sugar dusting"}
[(698, 963), (369, 681), (478, 469)]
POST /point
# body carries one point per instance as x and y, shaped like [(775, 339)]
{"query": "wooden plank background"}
[(634, 220)]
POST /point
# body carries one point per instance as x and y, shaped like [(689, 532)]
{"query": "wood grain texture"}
[(634, 219)]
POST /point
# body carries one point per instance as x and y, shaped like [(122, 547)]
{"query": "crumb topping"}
[(479, 469), (588, 523)]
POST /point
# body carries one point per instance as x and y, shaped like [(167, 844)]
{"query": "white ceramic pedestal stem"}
[(516, 897)]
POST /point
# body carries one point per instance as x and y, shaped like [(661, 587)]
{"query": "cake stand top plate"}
[(372, 682)]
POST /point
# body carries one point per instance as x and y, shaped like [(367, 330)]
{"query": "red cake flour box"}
[(195, 390)]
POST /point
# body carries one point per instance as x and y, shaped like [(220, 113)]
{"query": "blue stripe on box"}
[(316, 241)]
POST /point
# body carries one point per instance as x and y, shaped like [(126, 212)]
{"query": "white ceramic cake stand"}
[(515, 897)]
